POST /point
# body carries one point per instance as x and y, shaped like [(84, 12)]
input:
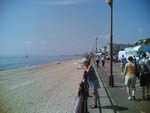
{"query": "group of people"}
[(100, 58), (132, 70)]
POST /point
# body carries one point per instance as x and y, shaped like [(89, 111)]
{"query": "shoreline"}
[(38, 65), (48, 88)]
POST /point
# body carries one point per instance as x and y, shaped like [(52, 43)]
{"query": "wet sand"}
[(49, 88)]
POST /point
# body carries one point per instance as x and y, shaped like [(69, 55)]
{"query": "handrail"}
[(82, 96), (83, 92)]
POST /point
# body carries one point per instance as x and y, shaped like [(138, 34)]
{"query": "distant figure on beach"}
[(123, 61), (145, 76), (103, 60), (92, 81), (130, 77), (97, 60)]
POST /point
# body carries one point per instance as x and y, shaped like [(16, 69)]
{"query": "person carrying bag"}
[(145, 77)]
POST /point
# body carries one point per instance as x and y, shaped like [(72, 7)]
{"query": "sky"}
[(66, 27)]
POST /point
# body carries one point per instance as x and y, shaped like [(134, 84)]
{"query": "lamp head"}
[(110, 2)]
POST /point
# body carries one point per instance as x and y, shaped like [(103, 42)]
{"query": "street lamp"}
[(111, 78), (96, 44)]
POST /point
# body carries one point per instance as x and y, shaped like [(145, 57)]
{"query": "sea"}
[(17, 62)]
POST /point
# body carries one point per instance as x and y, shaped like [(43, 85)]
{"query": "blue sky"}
[(55, 27)]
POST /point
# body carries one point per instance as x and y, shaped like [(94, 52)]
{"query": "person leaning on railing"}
[(92, 82)]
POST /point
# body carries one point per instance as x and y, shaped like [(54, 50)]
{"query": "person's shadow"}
[(115, 108)]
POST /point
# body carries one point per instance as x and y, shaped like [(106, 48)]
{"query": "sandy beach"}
[(49, 88)]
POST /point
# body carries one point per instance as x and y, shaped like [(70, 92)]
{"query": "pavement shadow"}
[(115, 108), (99, 104), (141, 100), (119, 86)]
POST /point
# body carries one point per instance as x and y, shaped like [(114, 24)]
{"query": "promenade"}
[(52, 88), (115, 100)]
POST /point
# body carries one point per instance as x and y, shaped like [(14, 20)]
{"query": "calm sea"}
[(16, 62)]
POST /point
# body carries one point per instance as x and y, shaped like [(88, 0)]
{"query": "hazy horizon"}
[(67, 27)]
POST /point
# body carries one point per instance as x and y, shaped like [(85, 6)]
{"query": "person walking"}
[(92, 81), (123, 61), (145, 76), (130, 78), (103, 60), (97, 60), (115, 58), (134, 59)]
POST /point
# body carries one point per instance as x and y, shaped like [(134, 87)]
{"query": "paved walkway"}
[(114, 100)]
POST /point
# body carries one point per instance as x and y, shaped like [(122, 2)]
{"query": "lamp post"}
[(96, 44), (111, 78)]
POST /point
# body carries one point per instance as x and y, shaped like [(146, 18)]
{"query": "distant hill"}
[(142, 42)]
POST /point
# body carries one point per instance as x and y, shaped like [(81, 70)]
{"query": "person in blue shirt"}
[(123, 61), (97, 60)]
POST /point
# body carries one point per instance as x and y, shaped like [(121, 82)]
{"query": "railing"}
[(83, 92), (82, 96)]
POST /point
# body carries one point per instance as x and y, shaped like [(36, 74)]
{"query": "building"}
[(104, 49), (142, 42), (117, 47)]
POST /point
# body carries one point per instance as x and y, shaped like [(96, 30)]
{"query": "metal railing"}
[(82, 96), (83, 92)]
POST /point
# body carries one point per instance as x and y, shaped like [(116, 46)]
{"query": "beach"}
[(48, 88)]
